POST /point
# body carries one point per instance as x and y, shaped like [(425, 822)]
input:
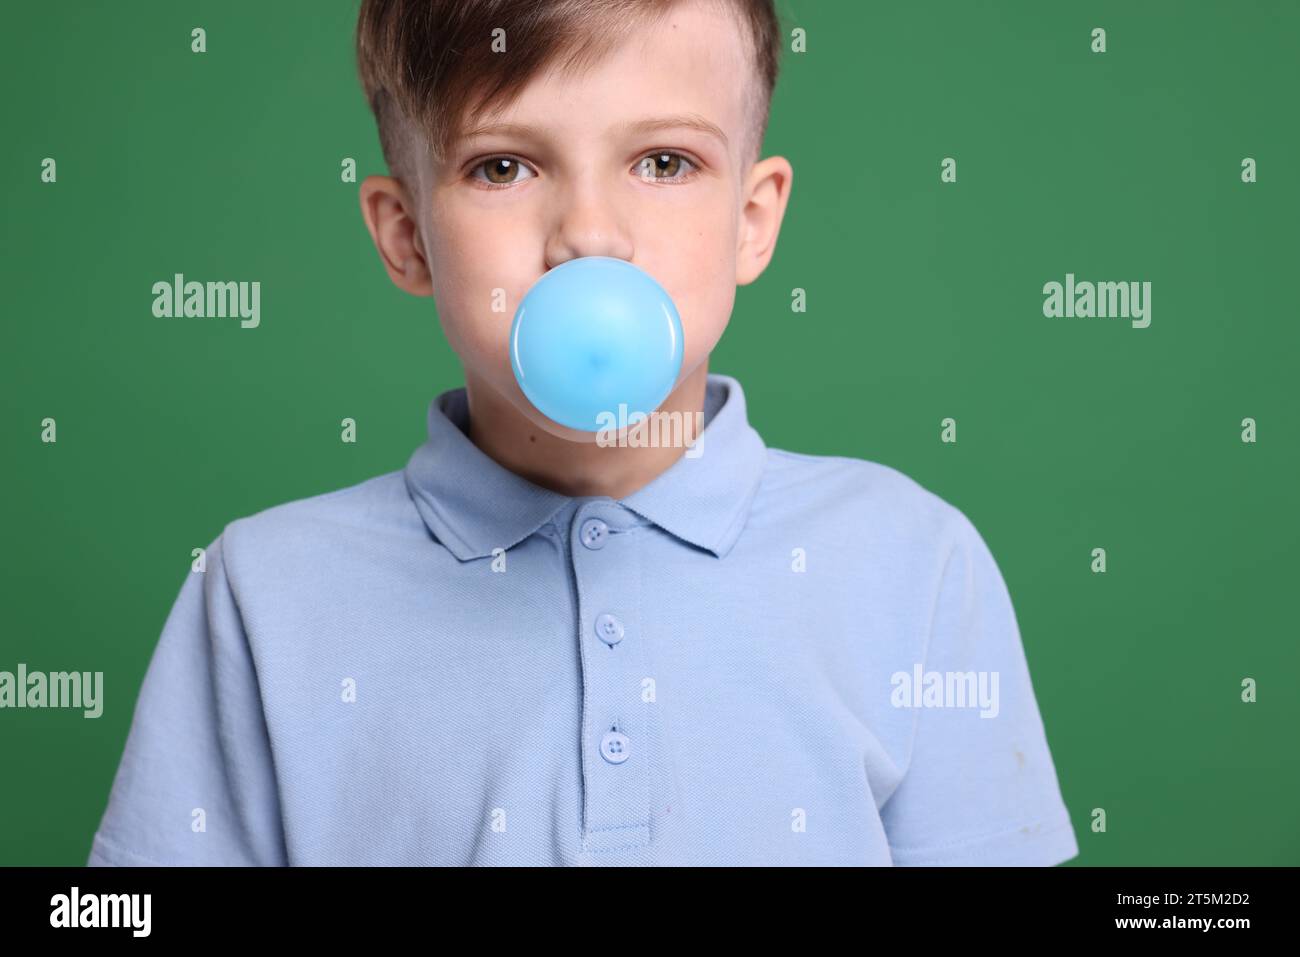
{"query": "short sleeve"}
[(196, 782), (979, 786)]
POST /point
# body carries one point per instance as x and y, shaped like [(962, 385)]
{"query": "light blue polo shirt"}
[(748, 661)]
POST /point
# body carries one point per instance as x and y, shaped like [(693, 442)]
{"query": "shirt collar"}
[(472, 504)]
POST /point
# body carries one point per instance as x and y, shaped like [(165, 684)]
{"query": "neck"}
[(577, 469)]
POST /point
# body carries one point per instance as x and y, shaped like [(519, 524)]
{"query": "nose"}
[(589, 223)]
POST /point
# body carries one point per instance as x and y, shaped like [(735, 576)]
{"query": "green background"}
[(925, 301)]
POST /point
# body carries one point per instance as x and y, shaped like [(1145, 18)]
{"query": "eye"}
[(500, 171), (665, 165)]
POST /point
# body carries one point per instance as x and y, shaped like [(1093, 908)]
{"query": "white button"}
[(609, 629), (594, 533), (613, 747)]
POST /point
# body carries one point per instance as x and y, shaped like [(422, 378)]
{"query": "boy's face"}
[(681, 203)]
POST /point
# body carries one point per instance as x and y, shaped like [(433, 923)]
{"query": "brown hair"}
[(430, 63)]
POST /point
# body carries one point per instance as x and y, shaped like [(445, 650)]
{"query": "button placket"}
[(615, 745)]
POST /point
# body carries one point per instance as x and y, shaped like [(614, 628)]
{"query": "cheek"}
[(704, 318), (703, 282), (476, 293)]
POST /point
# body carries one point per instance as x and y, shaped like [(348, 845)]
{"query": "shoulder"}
[(319, 528), (864, 497)]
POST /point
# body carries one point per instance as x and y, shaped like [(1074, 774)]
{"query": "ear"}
[(390, 216), (767, 190)]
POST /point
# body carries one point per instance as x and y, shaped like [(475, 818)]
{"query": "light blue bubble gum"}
[(592, 334)]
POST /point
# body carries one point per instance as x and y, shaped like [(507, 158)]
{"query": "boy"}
[(528, 647)]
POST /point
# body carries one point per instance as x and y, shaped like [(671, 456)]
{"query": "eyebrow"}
[(692, 121)]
